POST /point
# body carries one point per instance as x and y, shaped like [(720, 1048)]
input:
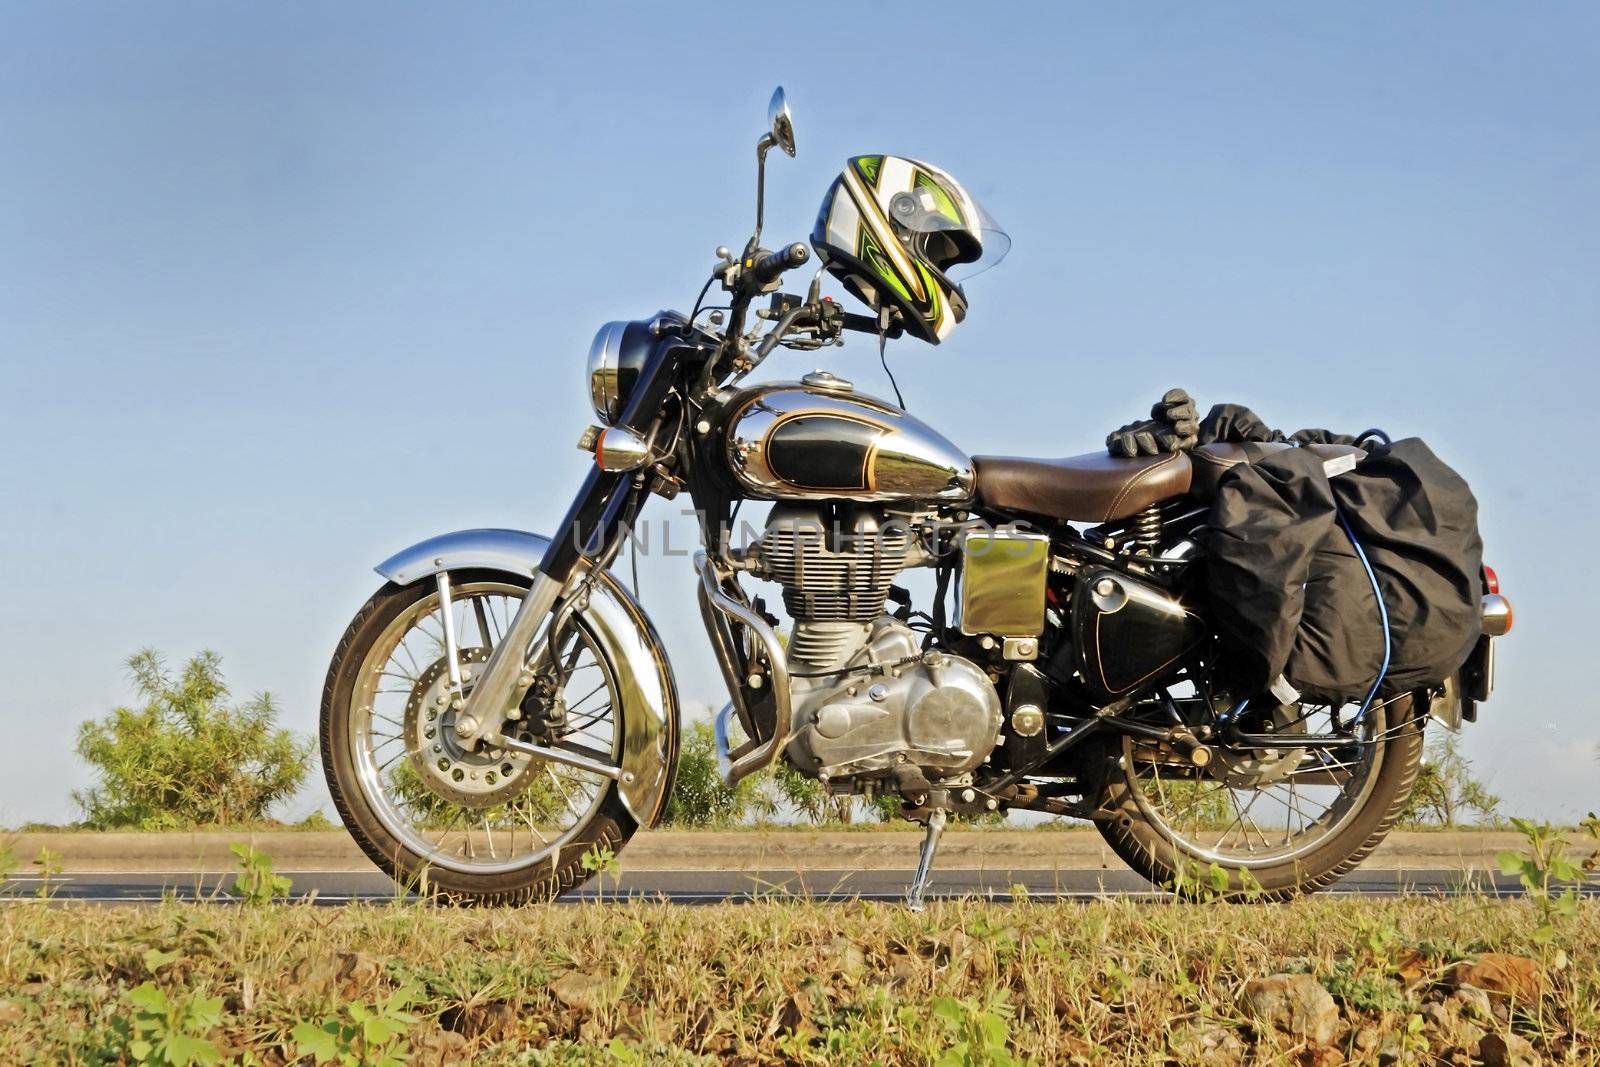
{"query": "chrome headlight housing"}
[(605, 371)]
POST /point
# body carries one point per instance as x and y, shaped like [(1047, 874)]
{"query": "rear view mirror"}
[(781, 121)]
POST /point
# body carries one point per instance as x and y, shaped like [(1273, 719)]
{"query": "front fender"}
[(645, 687)]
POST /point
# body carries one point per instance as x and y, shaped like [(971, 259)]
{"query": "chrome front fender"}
[(648, 694)]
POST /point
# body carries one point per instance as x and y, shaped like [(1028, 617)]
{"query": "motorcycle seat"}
[(1097, 487)]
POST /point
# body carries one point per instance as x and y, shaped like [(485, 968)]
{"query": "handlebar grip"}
[(768, 268)]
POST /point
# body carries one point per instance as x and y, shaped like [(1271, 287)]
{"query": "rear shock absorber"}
[(1147, 528)]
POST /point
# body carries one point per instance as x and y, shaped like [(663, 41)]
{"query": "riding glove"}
[(1172, 427)]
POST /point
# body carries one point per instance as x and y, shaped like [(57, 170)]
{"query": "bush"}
[(187, 757), (1447, 794), (701, 797), (812, 803)]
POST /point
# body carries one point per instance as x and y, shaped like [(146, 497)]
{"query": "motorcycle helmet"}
[(901, 234)]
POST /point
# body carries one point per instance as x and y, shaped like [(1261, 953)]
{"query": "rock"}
[(1506, 1050), (1450, 1027), (1208, 1046), (495, 1020), (1439, 1017), (903, 970), (578, 989), (1501, 974), (437, 1048), (1315, 1056), (1294, 1003), (1391, 1049), (844, 956), (1366, 1039), (349, 974), (1466, 1036), (1472, 1003)]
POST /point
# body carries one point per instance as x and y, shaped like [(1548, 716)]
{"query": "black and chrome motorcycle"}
[(502, 706)]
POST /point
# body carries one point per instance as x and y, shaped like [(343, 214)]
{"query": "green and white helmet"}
[(901, 234)]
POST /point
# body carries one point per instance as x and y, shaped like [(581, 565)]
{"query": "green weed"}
[(363, 1035), (162, 1030), (979, 1033), (1545, 868), (255, 883)]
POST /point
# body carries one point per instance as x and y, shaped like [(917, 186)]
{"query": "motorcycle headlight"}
[(617, 357), (605, 371)]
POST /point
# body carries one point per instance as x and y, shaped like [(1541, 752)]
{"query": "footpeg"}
[(917, 895)]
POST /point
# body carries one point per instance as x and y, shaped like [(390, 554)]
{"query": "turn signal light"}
[(1496, 615), (1491, 580), (618, 448)]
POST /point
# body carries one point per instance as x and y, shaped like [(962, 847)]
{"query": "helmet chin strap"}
[(884, 316)]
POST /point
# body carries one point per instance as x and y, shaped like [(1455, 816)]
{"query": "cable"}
[(1383, 614), (704, 289), (633, 558), (883, 357)]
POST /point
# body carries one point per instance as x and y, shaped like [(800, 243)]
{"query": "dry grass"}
[(786, 982)]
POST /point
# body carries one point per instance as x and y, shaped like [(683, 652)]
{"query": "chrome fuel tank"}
[(820, 439)]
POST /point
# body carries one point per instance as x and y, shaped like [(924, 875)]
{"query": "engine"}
[(868, 696)]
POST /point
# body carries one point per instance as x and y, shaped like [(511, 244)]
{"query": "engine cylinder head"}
[(836, 568)]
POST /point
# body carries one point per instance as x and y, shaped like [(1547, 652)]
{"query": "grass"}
[(316, 822), (774, 982)]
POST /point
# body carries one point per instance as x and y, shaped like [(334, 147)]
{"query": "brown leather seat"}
[(1094, 488)]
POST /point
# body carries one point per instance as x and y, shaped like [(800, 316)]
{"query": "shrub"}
[(1447, 793), (187, 757), (701, 797)]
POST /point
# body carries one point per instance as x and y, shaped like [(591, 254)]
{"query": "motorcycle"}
[(502, 708)]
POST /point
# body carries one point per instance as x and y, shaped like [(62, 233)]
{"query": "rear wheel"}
[(486, 826), (1275, 822)]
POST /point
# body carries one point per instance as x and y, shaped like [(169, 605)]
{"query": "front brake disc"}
[(485, 778)]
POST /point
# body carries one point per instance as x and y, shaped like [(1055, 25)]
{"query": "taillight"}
[(1491, 580)]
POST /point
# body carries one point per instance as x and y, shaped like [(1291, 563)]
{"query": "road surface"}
[(705, 887)]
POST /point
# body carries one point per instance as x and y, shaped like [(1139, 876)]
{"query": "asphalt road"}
[(706, 887)]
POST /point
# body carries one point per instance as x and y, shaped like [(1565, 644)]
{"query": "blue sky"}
[(284, 288)]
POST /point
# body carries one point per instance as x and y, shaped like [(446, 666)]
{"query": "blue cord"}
[(1383, 616)]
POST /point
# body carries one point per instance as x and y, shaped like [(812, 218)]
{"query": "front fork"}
[(602, 508)]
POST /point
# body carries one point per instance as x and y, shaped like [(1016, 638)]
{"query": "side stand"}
[(916, 896)]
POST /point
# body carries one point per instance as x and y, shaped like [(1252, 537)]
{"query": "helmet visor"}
[(961, 240)]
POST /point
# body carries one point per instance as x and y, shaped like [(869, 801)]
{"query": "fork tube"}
[(448, 611), (592, 523)]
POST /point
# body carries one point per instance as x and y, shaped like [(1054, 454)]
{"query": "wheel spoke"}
[(1314, 789), (562, 782)]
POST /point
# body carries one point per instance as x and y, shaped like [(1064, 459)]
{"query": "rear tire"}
[(1166, 862), (608, 826)]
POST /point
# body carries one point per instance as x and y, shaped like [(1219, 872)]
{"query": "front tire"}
[(430, 853), (1180, 861)]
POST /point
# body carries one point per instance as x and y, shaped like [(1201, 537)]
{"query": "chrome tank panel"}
[(790, 440)]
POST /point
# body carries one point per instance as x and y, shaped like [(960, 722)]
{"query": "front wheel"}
[(1274, 822), (490, 826)]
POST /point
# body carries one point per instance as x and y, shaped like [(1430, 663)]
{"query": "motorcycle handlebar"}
[(767, 269)]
